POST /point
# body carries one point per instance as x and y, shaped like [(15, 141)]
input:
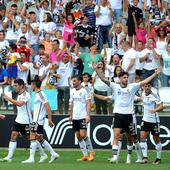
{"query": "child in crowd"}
[(52, 77), (140, 30), (12, 62), (68, 32), (59, 37)]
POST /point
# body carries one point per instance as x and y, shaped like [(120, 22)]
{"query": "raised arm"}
[(150, 78), (101, 75)]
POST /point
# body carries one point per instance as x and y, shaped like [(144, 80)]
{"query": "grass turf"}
[(67, 161)]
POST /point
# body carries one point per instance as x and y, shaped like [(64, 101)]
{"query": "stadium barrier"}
[(99, 130)]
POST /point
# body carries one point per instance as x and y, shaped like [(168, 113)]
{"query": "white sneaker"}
[(28, 161), (43, 158), (113, 160), (139, 161), (54, 157), (6, 159)]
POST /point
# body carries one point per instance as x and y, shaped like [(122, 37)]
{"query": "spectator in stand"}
[(104, 14), (155, 10), (37, 62), (64, 71), (56, 52), (117, 8), (4, 46), (33, 31), (11, 64), (23, 31), (47, 43), (166, 67), (43, 8), (130, 22), (114, 61), (68, 31), (22, 46), (100, 88), (88, 58), (139, 54), (89, 12), (128, 61), (12, 24), (2, 15), (58, 36), (84, 35), (151, 61), (140, 30), (47, 26), (162, 40), (19, 4), (118, 33), (44, 70), (58, 14), (3, 75), (22, 67)]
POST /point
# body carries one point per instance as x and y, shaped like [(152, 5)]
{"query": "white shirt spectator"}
[(104, 18), (65, 71), (128, 56)]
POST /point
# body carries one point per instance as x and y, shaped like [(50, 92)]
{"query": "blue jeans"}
[(165, 79), (63, 99), (104, 36), (147, 73), (118, 14)]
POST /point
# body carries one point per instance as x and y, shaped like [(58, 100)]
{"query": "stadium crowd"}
[(56, 39)]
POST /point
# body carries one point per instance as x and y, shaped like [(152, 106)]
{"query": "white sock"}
[(138, 151), (119, 148), (158, 148), (48, 147), (130, 149), (11, 149), (88, 144), (41, 150), (83, 148), (144, 148), (33, 148), (115, 151)]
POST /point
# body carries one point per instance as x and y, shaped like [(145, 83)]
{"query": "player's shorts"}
[(124, 122), (79, 124), (23, 129), (154, 128), (40, 129)]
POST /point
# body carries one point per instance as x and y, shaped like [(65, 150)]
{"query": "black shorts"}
[(40, 129), (79, 124), (124, 122), (23, 129), (154, 128)]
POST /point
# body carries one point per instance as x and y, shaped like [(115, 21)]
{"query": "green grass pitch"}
[(67, 161)]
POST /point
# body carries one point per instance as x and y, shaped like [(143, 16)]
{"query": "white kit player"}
[(151, 123), (124, 95), (80, 116), (41, 107), (23, 120)]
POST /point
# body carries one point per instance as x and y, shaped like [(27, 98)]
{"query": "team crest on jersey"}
[(80, 93)]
